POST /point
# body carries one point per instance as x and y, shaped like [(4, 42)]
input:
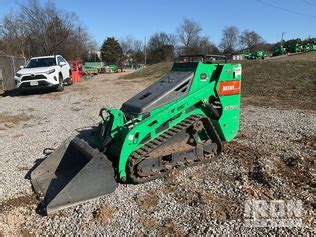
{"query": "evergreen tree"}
[(111, 51)]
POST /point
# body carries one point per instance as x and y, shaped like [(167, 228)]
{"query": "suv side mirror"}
[(62, 64), (21, 67)]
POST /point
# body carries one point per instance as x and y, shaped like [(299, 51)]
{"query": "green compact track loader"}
[(179, 121)]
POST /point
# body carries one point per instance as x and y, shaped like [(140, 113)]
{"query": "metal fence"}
[(8, 67)]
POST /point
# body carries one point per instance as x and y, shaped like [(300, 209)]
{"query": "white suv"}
[(44, 72)]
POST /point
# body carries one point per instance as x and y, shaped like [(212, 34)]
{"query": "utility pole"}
[(283, 33), (145, 52)]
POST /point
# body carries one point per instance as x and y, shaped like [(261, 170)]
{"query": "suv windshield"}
[(41, 62)]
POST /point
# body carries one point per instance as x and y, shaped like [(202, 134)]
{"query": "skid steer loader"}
[(178, 122)]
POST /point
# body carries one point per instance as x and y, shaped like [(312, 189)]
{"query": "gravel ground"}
[(271, 159)]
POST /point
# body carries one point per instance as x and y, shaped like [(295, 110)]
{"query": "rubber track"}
[(138, 155)]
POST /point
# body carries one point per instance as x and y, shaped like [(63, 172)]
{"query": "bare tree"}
[(229, 41), (12, 36), (127, 44), (251, 40), (133, 50), (161, 47), (206, 47), (189, 35), (42, 29)]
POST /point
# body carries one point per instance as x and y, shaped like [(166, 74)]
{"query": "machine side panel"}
[(228, 89)]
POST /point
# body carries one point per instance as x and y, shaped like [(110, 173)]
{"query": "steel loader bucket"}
[(72, 174)]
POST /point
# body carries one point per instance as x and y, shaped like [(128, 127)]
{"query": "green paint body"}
[(127, 137)]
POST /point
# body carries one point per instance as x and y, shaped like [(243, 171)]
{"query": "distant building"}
[(238, 57)]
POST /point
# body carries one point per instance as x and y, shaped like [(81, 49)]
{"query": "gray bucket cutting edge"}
[(74, 173)]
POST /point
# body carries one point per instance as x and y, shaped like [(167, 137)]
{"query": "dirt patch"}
[(246, 155), (105, 214), (23, 168), (17, 136), (31, 109), (148, 201), (224, 207), (169, 228), (8, 121), (21, 201), (311, 141), (149, 223), (76, 109), (14, 221), (296, 170), (171, 182)]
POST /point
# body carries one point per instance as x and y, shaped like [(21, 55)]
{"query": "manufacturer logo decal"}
[(229, 87), (203, 76)]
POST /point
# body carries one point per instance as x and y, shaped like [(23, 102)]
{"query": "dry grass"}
[(151, 72), (281, 84), (296, 57)]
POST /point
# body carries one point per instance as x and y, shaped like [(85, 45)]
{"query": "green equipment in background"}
[(112, 68), (310, 47), (295, 48), (249, 56), (259, 54), (89, 68), (99, 66), (278, 50), (180, 121)]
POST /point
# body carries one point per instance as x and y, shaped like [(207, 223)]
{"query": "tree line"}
[(187, 39), (41, 29), (161, 46)]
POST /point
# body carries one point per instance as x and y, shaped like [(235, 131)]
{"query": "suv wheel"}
[(61, 84)]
